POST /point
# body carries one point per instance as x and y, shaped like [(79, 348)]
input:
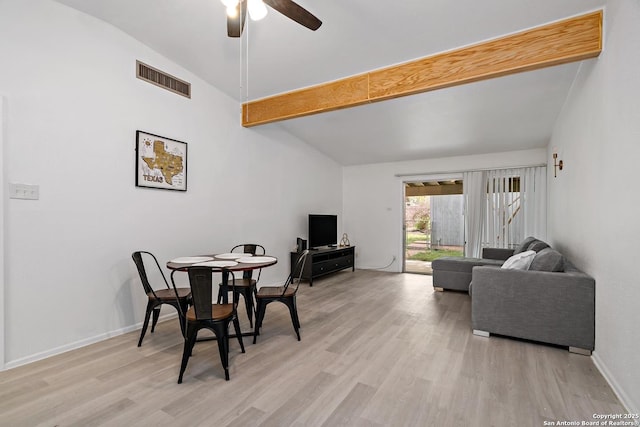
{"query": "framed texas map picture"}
[(160, 162)]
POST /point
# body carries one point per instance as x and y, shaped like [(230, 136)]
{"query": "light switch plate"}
[(24, 191)]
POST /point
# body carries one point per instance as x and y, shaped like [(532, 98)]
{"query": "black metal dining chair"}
[(285, 294), (176, 297), (205, 315), (246, 286)]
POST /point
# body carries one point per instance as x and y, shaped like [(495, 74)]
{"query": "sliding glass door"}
[(433, 222)]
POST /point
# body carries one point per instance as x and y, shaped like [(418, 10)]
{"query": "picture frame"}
[(161, 162)]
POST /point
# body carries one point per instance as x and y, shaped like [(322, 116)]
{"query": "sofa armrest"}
[(497, 253), (556, 308)]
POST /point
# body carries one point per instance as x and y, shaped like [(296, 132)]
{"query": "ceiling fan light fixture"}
[(230, 3), (232, 11), (257, 9)]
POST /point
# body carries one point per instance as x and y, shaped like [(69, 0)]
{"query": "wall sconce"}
[(557, 164)]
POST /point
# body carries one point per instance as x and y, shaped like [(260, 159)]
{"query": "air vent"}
[(162, 79)]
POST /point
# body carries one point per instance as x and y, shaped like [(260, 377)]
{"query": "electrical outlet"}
[(24, 191)]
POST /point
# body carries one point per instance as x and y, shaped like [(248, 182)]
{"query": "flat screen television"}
[(323, 230)]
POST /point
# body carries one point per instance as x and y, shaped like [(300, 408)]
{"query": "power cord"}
[(381, 268)]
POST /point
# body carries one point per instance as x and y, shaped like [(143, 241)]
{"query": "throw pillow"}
[(524, 245), (537, 246), (520, 261), (548, 260)]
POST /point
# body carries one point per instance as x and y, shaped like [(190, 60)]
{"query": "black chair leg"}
[(219, 294), (189, 341), (156, 315), (236, 326), (261, 308), (220, 329), (248, 302), (145, 324), (181, 313), (295, 310), (294, 316)]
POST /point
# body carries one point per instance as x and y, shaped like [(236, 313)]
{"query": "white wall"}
[(594, 202), (2, 204), (73, 106), (373, 200)]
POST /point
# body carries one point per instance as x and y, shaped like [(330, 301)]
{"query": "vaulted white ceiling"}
[(277, 55)]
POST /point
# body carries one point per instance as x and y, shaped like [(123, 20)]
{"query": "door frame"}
[(415, 178), (3, 233)]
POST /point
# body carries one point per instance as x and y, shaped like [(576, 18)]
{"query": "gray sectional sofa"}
[(551, 301)]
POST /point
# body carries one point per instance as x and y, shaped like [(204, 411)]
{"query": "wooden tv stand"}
[(325, 261)]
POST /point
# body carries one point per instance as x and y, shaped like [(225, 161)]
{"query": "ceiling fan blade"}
[(236, 25), (296, 12)]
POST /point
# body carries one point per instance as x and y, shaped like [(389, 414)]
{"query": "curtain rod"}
[(400, 175)]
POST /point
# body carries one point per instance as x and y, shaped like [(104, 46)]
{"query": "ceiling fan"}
[(237, 13)]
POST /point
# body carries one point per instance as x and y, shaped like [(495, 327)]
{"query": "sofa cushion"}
[(524, 245), (456, 272), (537, 246), (548, 260), (497, 253), (520, 261), (462, 264)]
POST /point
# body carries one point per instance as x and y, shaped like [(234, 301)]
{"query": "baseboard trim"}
[(578, 350), (615, 386), (79, 344)]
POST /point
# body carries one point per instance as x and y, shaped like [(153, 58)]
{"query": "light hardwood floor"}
[(377, 349)]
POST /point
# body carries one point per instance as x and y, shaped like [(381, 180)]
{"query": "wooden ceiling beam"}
[(569, 40), (433, 190)]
